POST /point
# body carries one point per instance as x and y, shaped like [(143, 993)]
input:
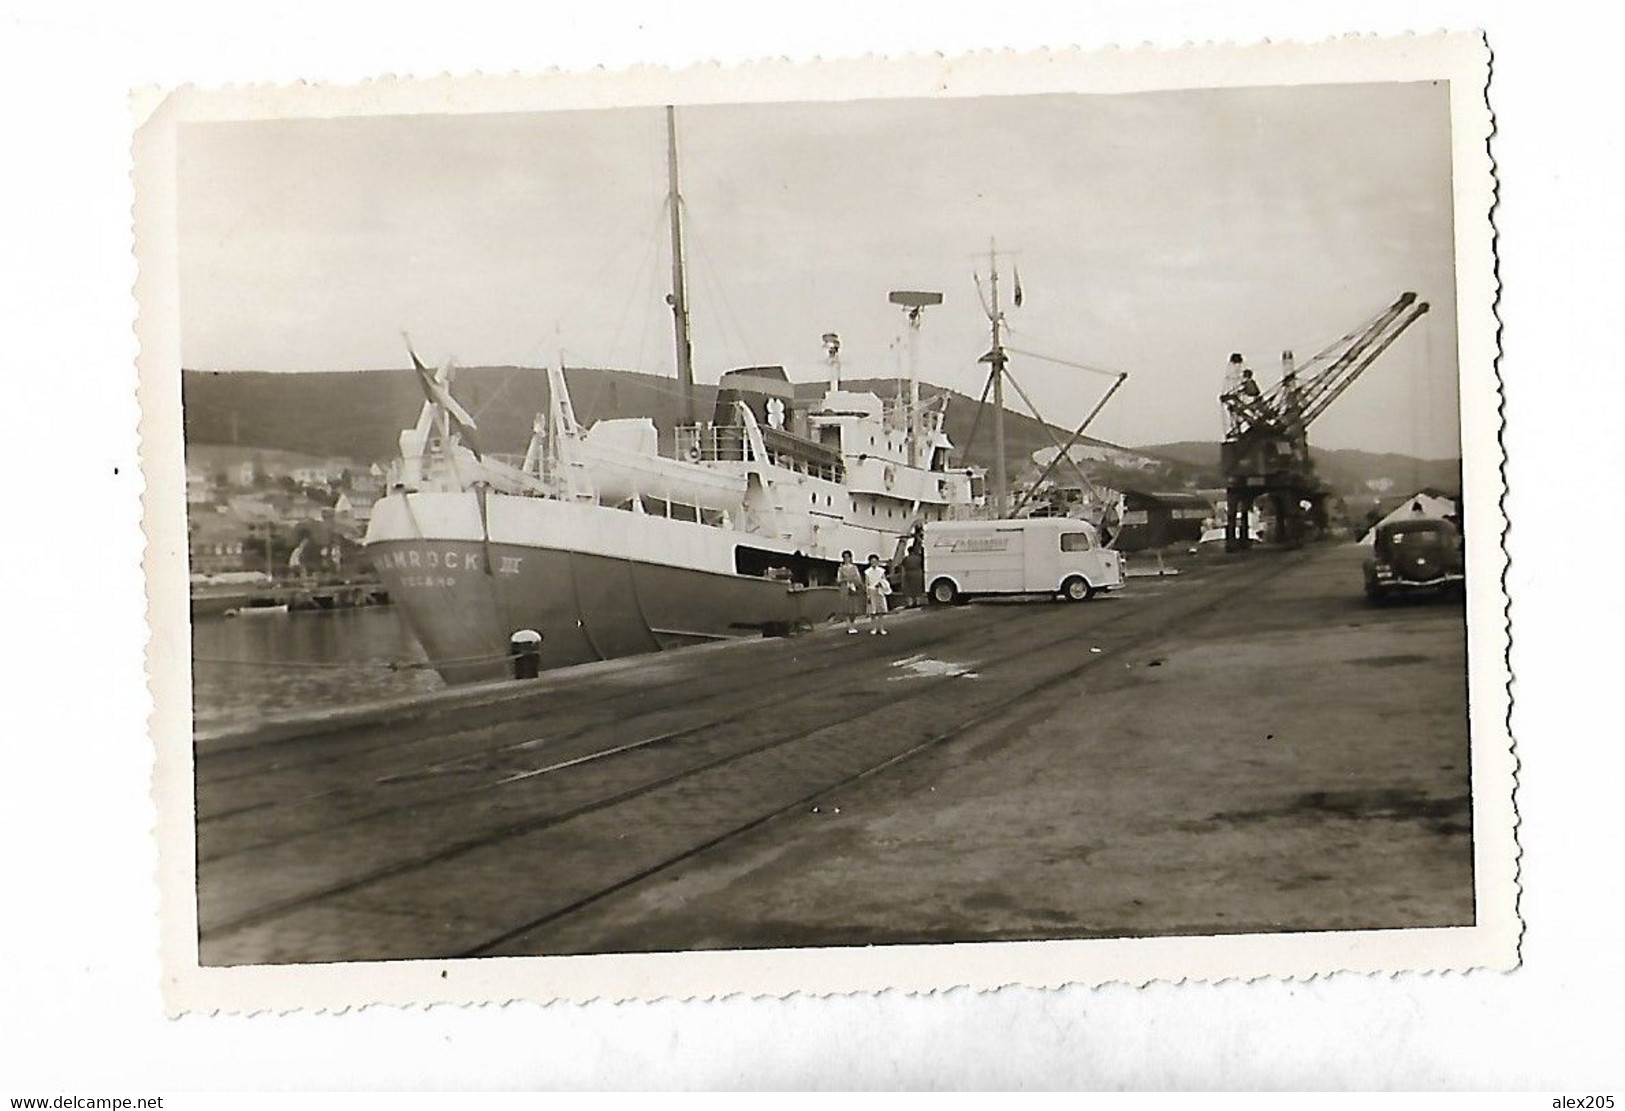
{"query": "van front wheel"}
[(1077, 589), (944, 593)]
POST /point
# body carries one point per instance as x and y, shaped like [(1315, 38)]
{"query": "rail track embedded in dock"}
[(684, 787)]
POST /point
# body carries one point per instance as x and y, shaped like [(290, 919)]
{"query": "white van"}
[(1030, 555)]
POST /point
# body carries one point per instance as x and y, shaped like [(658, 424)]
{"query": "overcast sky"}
[(1155, 233)]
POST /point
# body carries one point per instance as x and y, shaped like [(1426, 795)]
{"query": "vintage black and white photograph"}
[(842, 524)]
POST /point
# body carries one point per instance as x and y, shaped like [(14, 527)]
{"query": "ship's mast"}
[(996, 358), (678, 298), (912, 427), (915, 301)]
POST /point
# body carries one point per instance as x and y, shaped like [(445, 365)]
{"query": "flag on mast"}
[(435, 391), (1018, 286)]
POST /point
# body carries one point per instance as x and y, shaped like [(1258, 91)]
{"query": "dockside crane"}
[(1265, 454)]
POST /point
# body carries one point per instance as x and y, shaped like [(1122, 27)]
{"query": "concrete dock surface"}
[(1248, 746)]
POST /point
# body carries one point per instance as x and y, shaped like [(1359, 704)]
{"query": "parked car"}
[(1417, 555)]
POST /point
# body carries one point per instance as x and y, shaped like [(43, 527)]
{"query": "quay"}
[(212, 600), (1246, 746)]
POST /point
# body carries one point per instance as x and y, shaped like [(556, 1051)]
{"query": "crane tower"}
[(1265, 454)]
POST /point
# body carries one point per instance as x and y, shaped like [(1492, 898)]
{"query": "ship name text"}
[(434, 559)]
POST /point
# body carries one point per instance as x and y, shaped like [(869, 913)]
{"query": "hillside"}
[(1349, 471), (359, 414)]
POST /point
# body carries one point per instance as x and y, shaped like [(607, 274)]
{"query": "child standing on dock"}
[(876, 588), (850, 580)]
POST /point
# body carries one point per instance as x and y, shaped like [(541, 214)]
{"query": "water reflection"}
[(245, 669)]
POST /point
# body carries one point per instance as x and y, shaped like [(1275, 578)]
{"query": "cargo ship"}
[(608, 546)]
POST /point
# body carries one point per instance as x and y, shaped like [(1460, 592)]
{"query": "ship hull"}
[(597, 583)]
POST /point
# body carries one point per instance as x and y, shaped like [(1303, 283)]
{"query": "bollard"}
[(525, 648)]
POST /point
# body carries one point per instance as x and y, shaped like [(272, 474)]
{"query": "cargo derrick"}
[(1265, 454)]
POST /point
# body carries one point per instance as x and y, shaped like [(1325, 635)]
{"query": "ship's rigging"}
[(445, 424), (998, 361)]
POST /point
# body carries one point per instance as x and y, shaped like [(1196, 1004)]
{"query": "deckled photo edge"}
[(1461, 58), (1483, 491), (162, 453)]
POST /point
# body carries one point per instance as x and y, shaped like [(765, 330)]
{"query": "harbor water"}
[(250, 668)]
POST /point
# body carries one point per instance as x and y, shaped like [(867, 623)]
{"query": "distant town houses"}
[(277, 513), (218, 545), (355, 505), (1093, 452), (201, 486), (324, 474)]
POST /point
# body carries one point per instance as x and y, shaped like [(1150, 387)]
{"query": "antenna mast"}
[(678, 297)]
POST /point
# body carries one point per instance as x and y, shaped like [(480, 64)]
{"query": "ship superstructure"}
[(608, 546)]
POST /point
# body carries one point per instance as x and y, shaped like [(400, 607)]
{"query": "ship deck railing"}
[(440, 471), (712, 443), (728, 443)]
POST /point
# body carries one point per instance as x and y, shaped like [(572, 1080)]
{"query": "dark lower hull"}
[(463, 599)]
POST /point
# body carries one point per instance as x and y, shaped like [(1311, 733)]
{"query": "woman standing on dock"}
[(876, 588), (850, 580), (914, 572)]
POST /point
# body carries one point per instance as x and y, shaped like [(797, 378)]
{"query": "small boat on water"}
[(258, 607)]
